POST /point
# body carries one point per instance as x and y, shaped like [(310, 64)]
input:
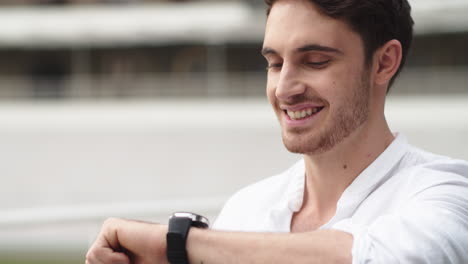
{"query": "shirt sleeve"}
[(431, 227), (224, 220)]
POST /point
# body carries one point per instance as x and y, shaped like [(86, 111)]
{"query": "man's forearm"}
[(214, 247)]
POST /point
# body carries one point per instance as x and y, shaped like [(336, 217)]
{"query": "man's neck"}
[(330, 173)]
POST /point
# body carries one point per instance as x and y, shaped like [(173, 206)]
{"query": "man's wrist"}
[(158, 242)]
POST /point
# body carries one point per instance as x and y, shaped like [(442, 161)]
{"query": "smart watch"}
[(176, 238)]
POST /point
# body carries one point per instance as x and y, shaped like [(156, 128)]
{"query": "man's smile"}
[(301, 115), (304, 113)]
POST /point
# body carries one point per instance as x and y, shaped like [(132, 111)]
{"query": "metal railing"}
[(156, 209)]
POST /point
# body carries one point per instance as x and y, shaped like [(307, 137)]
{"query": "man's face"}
[(317, 83)]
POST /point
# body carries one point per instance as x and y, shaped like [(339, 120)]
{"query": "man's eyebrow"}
[(311, 47), (316, 47)]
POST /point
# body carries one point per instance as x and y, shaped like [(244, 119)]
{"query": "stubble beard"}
[(345, 120)]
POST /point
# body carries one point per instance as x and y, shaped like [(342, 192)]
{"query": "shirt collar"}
[(295, 190), (376, 173)]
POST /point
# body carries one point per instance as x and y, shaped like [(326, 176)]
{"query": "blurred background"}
[(138, 108)]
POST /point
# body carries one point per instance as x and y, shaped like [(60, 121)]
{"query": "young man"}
[(361, 194)]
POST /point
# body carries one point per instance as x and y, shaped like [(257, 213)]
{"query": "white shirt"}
[(408, 206)]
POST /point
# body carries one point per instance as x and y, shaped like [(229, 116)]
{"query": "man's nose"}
[(289, 84)]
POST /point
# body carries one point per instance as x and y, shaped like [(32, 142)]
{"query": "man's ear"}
[(387, 60)]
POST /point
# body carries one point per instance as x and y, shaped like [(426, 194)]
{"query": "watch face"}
[(197, 220)]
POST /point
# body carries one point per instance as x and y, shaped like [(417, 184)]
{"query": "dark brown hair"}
[(376, 21)]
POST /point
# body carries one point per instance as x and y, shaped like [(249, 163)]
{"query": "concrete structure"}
[(66, 167)]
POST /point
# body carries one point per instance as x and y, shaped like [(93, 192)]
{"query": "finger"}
[(93, 256), (108, 236), (106, 256)]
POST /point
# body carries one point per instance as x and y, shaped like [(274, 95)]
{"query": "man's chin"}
[(295, 149), (298, 145), (306, 143)]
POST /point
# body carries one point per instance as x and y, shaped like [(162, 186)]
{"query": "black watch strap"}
[(176, 240)]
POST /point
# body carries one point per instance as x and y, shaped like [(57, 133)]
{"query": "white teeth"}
[(294, 115)]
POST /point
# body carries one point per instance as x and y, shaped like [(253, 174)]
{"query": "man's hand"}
[(129, 242)]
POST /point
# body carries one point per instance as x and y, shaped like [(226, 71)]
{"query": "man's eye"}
[(317, 63), (274, 66)]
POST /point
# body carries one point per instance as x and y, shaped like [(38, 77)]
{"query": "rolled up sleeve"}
[(430, 227)]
